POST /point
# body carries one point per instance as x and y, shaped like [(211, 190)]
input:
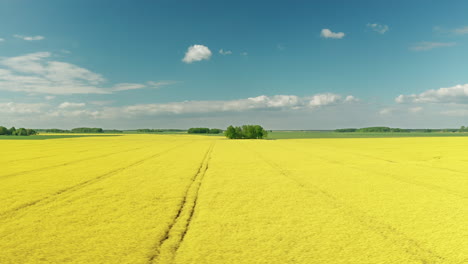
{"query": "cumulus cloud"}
[(38, 73), (100, 110), (425, 45), (197, 53), (29, 38), (225, 52), (2, 39), (351, 98), (327, 33), (71, 105), (457, 94), (378, 28), (49, 97), (262, 102)]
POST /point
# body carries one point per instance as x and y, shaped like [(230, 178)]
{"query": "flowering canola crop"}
[(197, 199)]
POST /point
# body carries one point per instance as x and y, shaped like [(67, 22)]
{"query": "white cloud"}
[(225, 52), (324, 99), (457, 94), (21, 108), (127, 86), (461, 31), (73, 113), (327, 33), (71, 105), (425, 45), (37, 73), (2, 39), (378, 28), (244, 53), (351, 98), (197, 53), (49, 97), (159, 84), (262, 102), (29, 38)]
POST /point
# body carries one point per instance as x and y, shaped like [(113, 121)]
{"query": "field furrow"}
[(114, 220), (83, 184), (387, 231), (168, 246)]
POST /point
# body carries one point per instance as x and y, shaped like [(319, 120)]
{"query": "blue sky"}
[(284, 64)]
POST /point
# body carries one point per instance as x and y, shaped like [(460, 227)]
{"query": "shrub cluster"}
[(204, 130), (245, 132), (17, 132)]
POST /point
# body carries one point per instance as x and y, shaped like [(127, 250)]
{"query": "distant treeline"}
[(78, 130), (204, 130), (396, 130), (148, 130), (246, 132), (17, 132), (372, 129)]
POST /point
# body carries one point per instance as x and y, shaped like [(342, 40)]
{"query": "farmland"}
[(197, 199)]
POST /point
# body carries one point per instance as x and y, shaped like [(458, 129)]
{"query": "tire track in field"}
[(68, 163), (386, 174), (388, 232), (175, 233), (81, 185)]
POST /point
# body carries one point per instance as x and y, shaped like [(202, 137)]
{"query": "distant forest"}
[(204, 130), (397, 130), (148, 130), (17, 132)]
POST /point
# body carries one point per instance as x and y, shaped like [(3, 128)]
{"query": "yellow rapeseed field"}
[(196, 199)]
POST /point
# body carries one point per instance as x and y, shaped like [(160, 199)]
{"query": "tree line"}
[(79, 130), (246, 132), (204, 130), (17, 132), (389, 129), (372, 129), (149, 130)]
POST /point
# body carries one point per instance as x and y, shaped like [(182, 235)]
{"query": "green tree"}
[(216, 131), (246, 131), (198, 130), (21, 132), (30, 132), (230, 132), (3, 130), (12, 131)]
